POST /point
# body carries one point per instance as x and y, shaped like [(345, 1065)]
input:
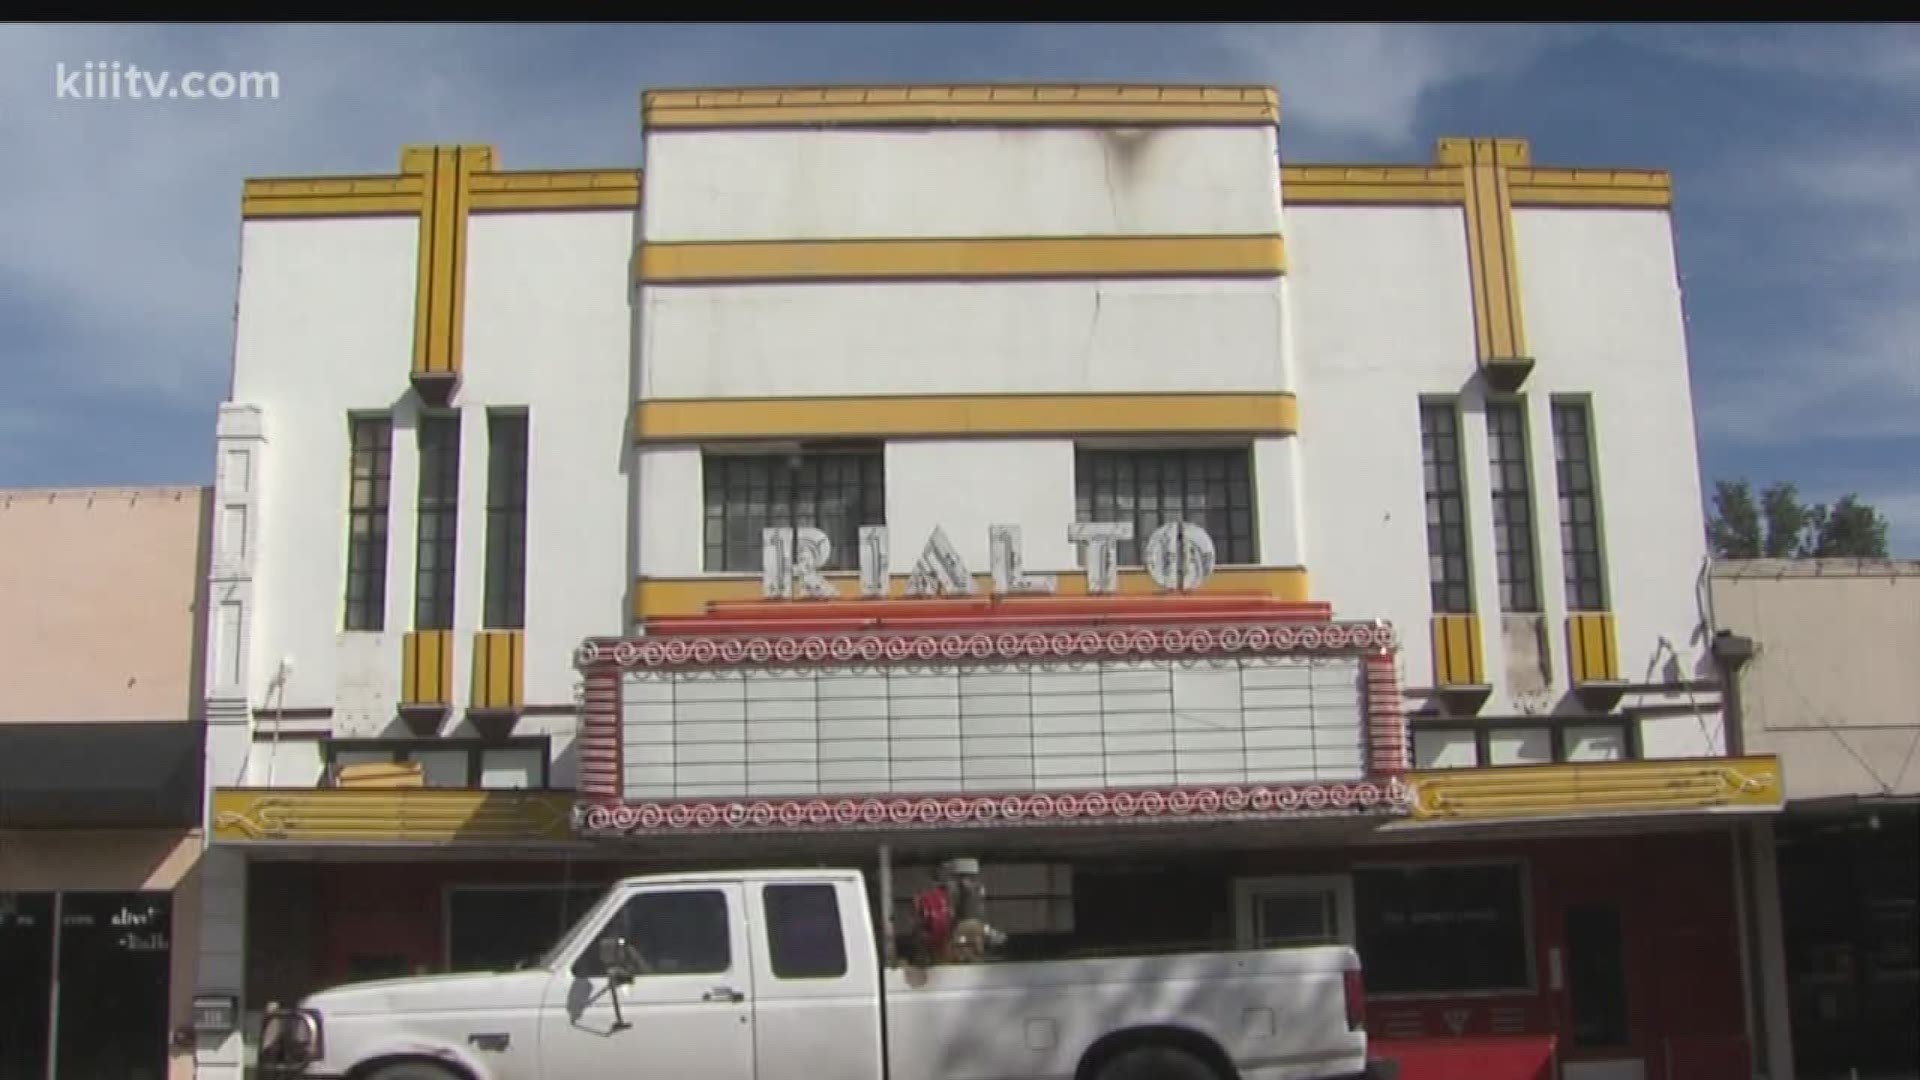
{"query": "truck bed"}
[(1279, 1014)]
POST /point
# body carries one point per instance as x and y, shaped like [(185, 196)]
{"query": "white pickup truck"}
[(777, 975)]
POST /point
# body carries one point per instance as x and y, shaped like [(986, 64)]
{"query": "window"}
[(1209, 488), (515, 764), (369, 465), (1512, 506), (438, 512), (1443, 928), (1469, 744), (1277, 912), (1579, 507), (679, 932), (804, 937), (835, 491), (506, 598), (1446, 509), (497, 928)]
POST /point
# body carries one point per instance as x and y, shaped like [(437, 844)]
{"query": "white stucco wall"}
[(962, 337), (325, 328), (764, 185), (1380, 314)]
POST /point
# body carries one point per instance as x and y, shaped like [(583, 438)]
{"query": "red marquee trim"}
[(953, 811), (1011, 643)]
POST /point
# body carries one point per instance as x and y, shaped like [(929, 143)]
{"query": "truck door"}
[(687, 1010), (816, 982)]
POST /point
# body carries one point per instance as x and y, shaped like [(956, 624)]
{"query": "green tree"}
[(1779, 526)]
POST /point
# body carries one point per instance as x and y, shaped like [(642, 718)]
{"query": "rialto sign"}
[(1178, 556)]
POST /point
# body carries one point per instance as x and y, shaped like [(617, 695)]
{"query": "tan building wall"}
[(100, 588), (1835, 677)]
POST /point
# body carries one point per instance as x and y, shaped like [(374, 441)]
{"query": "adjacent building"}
[(1839, 871), (100, 780), (1222, 550)]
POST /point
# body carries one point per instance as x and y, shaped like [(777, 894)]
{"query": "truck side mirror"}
[(615, 957)]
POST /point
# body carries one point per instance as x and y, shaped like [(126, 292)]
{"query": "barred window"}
[(506, 597), (1447, 564), (438, 510), (1512, 506), (835, 491), (369, 464), (1209, 488), (1579, 507)]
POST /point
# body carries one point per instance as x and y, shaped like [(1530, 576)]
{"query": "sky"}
[(1795, 152)]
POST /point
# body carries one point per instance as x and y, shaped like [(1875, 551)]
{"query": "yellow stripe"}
[(667, 597), (1310, 185), (1593, 188), (884, 105), (426, 667), (582, 189), (948, 258), (1457, 659), (437, 816), (1592, 647), (715, 419), (1599, 787), (1493, 269)]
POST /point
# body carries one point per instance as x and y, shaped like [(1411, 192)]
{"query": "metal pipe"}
[(887, 956)]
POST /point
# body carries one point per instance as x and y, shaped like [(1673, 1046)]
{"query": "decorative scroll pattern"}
[(974, 811), (983, 645)]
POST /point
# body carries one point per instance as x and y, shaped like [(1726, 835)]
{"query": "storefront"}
[(97, 887)]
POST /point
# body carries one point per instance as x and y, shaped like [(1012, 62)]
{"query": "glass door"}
[(26, 984), (1276, 912), (112, 994)]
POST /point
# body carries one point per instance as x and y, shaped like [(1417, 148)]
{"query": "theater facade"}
[(1223, 551)]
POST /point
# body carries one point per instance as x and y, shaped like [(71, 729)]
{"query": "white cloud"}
[(1884, 56), (1363, 85)]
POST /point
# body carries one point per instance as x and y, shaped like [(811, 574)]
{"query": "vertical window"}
[(438, 508), (1579, 507), (804, 936), (834, 491), (369, 466), (1446, 509), (1209, 488), (1512, 506), (506, 599)]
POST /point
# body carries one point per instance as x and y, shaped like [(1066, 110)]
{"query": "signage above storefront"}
[(1179, 557)]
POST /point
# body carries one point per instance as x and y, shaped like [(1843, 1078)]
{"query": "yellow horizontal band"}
[(585, 189), (1445, 185), (1749, 783), (660, 598), (885, 105), (571, 189), (1310, 185), (987, 257), (427, 816), (1593, 188), (979, 415)]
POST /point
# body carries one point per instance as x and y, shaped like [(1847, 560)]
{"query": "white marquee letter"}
[(1100, 541), (1179, 556), (939, 569), (1007, 578), (792, 557), (873, 561)]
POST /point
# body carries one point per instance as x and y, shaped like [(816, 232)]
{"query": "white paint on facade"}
[(827, 184), (1034, 337), (326, 329)]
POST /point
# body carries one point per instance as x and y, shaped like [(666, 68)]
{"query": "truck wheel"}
[(1156, 1063), (411, 1070)]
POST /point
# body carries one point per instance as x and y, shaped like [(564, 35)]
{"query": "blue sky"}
[(1795, 153)]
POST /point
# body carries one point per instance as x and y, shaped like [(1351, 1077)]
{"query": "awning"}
[(100, 775)]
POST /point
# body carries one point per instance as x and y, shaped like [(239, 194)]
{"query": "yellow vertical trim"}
[(426, 667), (1592, 647), (439, 318), (1457, 658), (499, 661), (1493, 267)]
